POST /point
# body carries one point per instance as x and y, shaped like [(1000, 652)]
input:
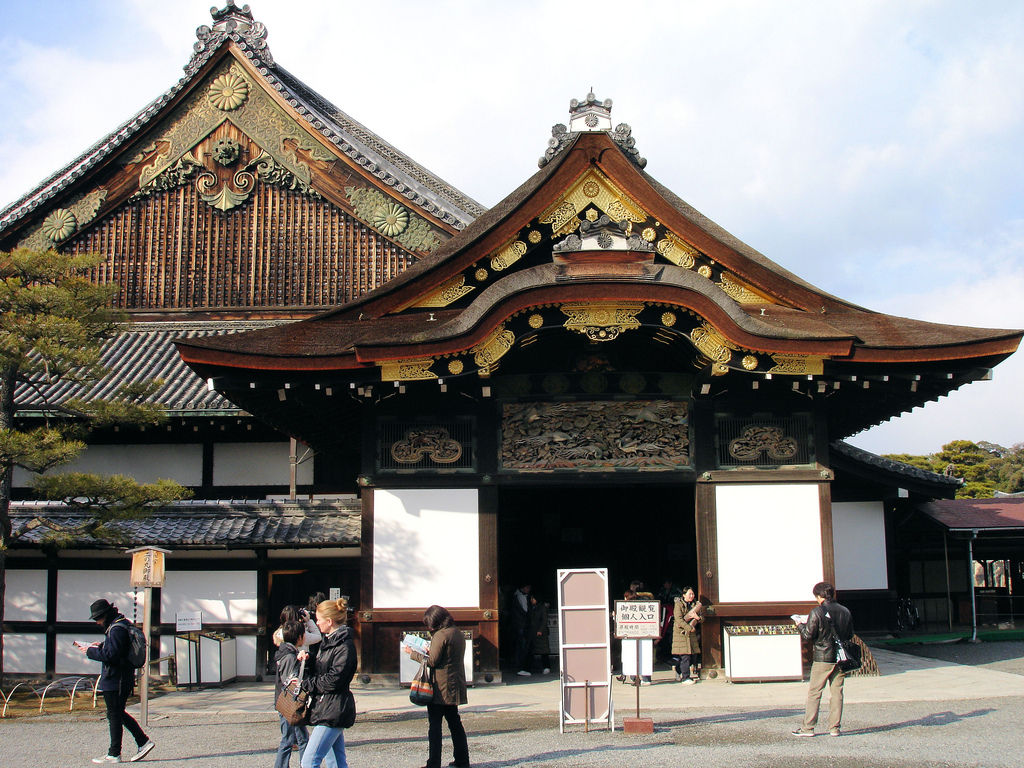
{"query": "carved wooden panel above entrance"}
[(645, 435)]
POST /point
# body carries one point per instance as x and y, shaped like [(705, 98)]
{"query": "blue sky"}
[(874, 148)]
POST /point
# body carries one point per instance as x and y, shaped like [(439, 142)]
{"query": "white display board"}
[(223, 596), (858, 540), (426, 548), (769, 542)]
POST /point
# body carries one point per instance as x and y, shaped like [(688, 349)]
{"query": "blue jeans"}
[(290, 735), (324, 744)]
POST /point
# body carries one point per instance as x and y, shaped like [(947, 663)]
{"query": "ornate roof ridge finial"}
[(591, 115), (235, 23)]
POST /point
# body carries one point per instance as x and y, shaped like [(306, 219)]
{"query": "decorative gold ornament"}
[(798, 365), (536, 321), (455, 367), (59, 225), (391, 219), (563, 215), (555, 384), (435, 444), (740, 292), (480, 275), (406, 370), (591, 189), (668, 319), (705, 271), (711, 343), (493, 348), (749, 362), (678, 252), (534, 236), (447, 294), (508, 255), (602, 322), (592, 215), (228, 92), (649, 234)]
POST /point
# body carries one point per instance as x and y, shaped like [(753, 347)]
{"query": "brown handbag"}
[(292, 702)]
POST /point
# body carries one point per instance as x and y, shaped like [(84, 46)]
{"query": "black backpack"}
[(136, 656)]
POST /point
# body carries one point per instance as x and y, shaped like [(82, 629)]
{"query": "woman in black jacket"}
[(333, 704)]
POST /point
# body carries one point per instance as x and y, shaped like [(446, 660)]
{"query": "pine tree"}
[(54, 321)]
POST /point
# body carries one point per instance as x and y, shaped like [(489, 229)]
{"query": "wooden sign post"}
[(148, 572)]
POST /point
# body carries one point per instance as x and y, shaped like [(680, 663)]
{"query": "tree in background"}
[(53, 323), (985, 467)]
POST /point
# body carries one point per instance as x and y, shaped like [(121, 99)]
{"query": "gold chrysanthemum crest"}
[(59, 225), (391, 219), (228, 92)]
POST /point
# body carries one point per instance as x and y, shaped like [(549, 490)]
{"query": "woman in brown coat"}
[(685, 634), (447, 659)]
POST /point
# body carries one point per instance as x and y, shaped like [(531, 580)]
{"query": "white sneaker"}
[(689, 681), (144, 750), (523, 673), (547, 671), (107, 759)]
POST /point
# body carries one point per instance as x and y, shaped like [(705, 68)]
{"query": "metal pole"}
[(292, 460), (638, 677), (586, 706), (949, 591), (970, 581), (146, 626)]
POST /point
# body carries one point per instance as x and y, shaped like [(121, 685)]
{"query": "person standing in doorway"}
[(541, 642), (117, 680), (826, 622), (521, 629)]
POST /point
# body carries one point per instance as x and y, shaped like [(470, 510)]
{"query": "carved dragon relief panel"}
[(650, 435)]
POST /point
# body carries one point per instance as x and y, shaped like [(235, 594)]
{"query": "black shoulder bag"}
[(849, 655)]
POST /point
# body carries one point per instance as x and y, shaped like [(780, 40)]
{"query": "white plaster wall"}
[(71, 661), (222, 596), (145, 463), (426, 548), (257, 464), (77, 590), (25, 597), (858, 539), (24, 653), (769, 542)]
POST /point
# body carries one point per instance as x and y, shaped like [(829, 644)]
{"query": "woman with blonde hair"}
[(333, 704)]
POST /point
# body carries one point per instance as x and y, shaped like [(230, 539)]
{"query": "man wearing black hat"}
[(117, 680)]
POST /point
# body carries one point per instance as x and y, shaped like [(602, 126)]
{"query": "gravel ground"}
[(892, 735), (1001, 656)]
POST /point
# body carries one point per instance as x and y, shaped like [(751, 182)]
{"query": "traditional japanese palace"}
[(590, 374)]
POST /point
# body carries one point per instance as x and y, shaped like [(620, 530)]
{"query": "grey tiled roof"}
[(391, 166), (220, 524), (894, 467), (148, 352)]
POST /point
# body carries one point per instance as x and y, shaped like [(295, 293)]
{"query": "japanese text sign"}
[(637, 618)]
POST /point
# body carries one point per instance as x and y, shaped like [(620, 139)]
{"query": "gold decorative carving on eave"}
[(508, 255), (798, 365), (679, 252), (602, 321), (278, 133), (593, 188), (712, 344), (739, 291), (406, 370), (64, 221), (447, 294), (492, 349)]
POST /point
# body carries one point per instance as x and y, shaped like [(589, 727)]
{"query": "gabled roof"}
[(593, 245), (235, 33), (211, 524)]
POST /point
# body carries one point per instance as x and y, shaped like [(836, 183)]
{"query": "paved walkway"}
[(903, 678)]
